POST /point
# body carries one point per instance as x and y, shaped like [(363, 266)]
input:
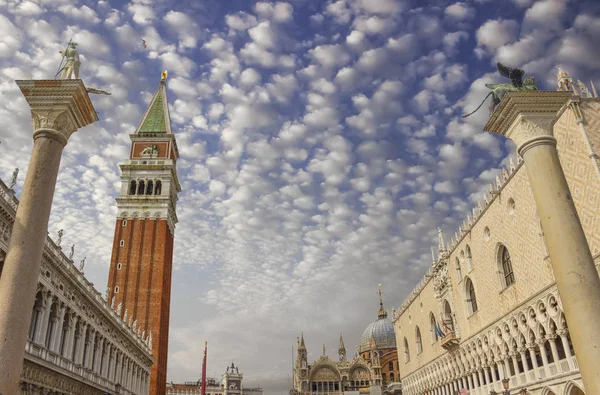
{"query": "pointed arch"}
[(419, 340), (458, 271), (471, 297), (406, 351), (132, 187), (505, 266), (469, 258), (573, 388), (158, 188), (433, 328)]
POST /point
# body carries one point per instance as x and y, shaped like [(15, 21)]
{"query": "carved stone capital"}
[(529, 130), (58, 107), (53, 123), (525, 117)]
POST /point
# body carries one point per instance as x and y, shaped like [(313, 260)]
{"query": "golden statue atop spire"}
[(164, 75)]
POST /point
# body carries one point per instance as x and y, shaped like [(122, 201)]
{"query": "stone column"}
[(58, 332), (58, 108), (528, 118), (531, 348), (42, 319), (552, 340), (522, 351), (542, 344), (565, 342), (494, 377)]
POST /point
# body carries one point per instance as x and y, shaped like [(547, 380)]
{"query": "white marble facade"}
[(77, 343)]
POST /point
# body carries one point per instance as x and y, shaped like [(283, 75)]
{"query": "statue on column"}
[(13, 181), (59, 240), (72, 63), (499, 90)]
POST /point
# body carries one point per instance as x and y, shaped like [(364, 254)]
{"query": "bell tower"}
[(142, 255)]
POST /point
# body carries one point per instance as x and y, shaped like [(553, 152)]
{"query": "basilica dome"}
[(381, 330)]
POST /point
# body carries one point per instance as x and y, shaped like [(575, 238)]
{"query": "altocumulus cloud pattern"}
[(321, 147)]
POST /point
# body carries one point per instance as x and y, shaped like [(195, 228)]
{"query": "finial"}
[(433, 256), (323, 349), (441, 246), (381, 313), (593, 89), (164, 75)]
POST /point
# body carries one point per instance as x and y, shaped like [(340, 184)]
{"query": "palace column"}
[(528, 118), (58, 109)]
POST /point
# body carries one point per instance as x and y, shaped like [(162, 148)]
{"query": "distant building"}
[(373, 370), (488, 309), (231, 383)]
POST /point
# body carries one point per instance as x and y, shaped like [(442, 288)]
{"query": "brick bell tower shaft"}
[(142, 254)]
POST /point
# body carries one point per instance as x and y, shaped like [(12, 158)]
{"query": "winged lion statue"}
[(499, 90)]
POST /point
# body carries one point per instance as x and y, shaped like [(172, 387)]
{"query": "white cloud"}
[(279, 12), (495, 33), (142, 14), (84, 13), (178, 64), (459, 12), (330, 55), (10, 37)]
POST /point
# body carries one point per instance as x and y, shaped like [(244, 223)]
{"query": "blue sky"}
[(321, 147)]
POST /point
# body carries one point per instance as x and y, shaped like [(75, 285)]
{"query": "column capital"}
[(527, 117), (58, 107)]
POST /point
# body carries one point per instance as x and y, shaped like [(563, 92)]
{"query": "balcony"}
[(449, 341)]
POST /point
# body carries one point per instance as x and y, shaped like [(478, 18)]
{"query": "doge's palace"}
[(487, 314)]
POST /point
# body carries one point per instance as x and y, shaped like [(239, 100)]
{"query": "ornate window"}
[(433, 328), (419, 341), (447, 320), (508, 277), (391, 366), (158, 189), (458, 271), (471, 298), (406, 351), (132, 187)]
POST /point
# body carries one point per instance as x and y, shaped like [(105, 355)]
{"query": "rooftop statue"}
[(72, 63), (499, 90)]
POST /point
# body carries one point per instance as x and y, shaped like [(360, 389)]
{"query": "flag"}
[(204, 370), (446, 326), (438, 331)]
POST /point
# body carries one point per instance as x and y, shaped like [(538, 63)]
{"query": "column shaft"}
[(23, 259), (576, 276)]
